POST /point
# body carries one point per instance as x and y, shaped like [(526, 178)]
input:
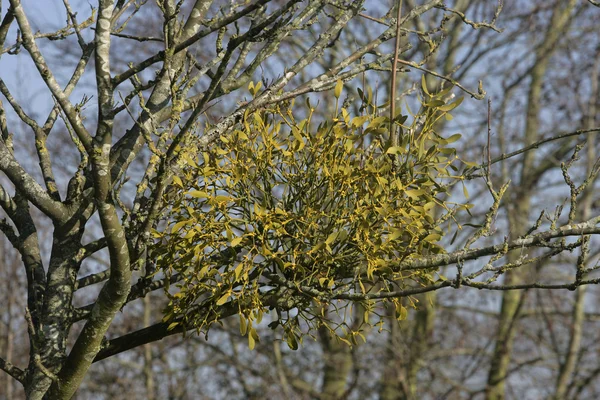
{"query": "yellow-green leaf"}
[(223, 299), (452, 106), (251, 342), (252, 338), (243, 325), (432, 237), (241, 135), (172, 326), (190, 161), (359, 121), (395, 150), (338, 88), (221, 199), (424, 85), (331, 238), (238, 271), (401, 313), (453, 138), (376, 122), (199, 194), (414, 193), (297, 134), (178, 226), (258, 210), (291, 341), (395, 234)]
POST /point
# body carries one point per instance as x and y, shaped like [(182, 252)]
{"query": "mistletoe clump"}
[(282, 214)]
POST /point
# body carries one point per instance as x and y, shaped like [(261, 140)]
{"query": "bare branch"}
[(46, 74), (12, 370), (137, 38), (535, 146), (92, 279), (480, 95), (434, 261), (118, 79), (30, 188), (9, 232), (114, 293), (395, 138), (4, 26), (40, 143), (477, 25), (60, 34)]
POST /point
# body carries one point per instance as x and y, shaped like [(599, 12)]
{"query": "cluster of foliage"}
[(280, 205)]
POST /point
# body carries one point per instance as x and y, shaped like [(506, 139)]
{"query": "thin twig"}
[(394, 139), (536, 145), (489, 136), (480, 95), (478, 25)]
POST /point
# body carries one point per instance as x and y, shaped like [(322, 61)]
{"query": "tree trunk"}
[(519, 219)]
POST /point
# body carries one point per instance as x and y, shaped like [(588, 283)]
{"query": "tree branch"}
[(12, 370), (160, 56), (47, 76), (114, 293), (585, 228), (92, 279), (29, 187), (538, 144)]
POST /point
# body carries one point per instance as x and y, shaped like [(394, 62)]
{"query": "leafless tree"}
[(107, 160)]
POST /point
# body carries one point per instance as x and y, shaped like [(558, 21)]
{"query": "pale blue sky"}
[(18, 72)]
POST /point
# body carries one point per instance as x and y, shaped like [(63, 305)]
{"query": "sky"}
[(17, 70)]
